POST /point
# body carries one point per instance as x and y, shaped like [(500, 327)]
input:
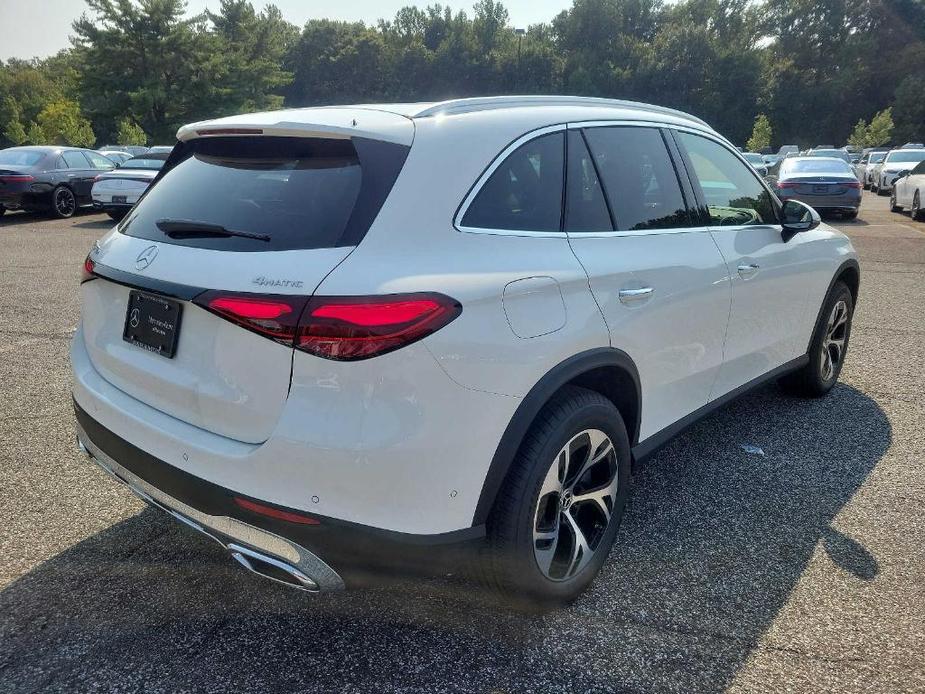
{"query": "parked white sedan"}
[(116, 191), (909, 192)]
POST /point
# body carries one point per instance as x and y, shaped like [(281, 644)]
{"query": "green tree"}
[(62, 124), (129, 133), (761, 134), (909, 108), (35, 135), (859, 135), (880, 130), (10, 123)]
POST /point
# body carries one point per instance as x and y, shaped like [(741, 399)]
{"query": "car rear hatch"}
[(195, 291), (820, 184)]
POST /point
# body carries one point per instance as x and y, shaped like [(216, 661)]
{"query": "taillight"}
[(16, 179), (276, 317), (344, 328), (272, 512), (87, 271), (359, 327), (853, 184), (787, 184)]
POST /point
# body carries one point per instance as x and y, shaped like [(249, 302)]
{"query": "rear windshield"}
[(278, 193), (815, 166), (20, 157), (143, 163)]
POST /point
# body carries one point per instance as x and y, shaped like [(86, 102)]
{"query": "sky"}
[(39, 28)]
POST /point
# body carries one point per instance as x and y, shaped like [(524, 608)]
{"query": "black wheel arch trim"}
[(850, 264), (533, 402)]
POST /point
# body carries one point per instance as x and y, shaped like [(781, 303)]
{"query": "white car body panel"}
[(403, 441), (907, 187)]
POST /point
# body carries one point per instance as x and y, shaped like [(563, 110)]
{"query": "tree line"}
[(768, 71)]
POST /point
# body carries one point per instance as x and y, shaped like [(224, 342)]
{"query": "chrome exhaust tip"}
[(272, 568)]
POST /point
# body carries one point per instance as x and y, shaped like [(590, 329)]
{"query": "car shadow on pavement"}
[(713, 542), (11, 219)]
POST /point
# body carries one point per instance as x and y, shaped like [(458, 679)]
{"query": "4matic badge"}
[(271, 282)]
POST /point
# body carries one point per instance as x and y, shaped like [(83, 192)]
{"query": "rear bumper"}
[(833, 203), (348, 549)]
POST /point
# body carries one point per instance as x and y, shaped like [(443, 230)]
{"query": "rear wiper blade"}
[(190, 227)]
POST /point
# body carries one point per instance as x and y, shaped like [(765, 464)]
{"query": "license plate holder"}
[(119, 199), (153, 323)]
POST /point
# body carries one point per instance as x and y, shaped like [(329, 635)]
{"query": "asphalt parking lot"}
[(800, 569)]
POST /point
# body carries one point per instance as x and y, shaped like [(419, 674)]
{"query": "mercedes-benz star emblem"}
[(146, 257)]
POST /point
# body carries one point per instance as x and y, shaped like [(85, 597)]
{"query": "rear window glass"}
[(525, 192), (277, 193), (143, 163), (20, 157), (815, 166)]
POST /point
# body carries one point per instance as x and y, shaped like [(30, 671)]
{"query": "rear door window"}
[(75, 160), (524, 193), (278, 193), (639, 178)]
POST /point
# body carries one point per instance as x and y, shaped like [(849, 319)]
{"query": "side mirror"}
[(798, 217)]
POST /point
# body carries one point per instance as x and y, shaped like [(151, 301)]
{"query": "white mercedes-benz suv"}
[(390, 337)]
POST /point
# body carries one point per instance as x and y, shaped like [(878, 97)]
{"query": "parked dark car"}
[(49, 179), (827, 184)]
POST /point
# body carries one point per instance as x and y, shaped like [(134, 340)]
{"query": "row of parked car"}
[(59, 180), (831, 179)]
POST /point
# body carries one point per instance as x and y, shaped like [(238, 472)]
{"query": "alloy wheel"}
[(575, 504), (833, 344), (65, 204)]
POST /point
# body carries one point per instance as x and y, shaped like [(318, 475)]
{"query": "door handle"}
[(750, 270), (630, 296)]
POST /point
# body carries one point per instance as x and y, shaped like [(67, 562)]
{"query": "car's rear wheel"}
[(117, 216), (558, 512), (880, 190), (2, 210), (828, 348), (893, 206), (851, 215), (916, 210), (63, 202)]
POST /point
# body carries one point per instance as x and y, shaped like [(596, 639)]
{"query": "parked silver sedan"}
[(825, 183)]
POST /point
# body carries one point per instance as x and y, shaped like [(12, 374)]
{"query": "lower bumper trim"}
[(257, 547)]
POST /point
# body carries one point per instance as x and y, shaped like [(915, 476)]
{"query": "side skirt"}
[(646, 448)]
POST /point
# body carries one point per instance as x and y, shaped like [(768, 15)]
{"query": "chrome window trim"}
[(578, 125)]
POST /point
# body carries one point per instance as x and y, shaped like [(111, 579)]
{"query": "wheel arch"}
[(605, 370), (848, 272)]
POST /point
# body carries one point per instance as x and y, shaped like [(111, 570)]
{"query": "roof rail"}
[(485, 103)]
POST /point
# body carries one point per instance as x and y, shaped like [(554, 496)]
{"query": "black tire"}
[(881, 191), (508, 565), (851, 215), (916, 211), (63, 202), (2, 210), (812, 380), (893, 206), (117, 216)]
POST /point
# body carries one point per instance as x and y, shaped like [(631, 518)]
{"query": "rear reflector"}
[(351, 328), (345, 328), (271, 512)]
